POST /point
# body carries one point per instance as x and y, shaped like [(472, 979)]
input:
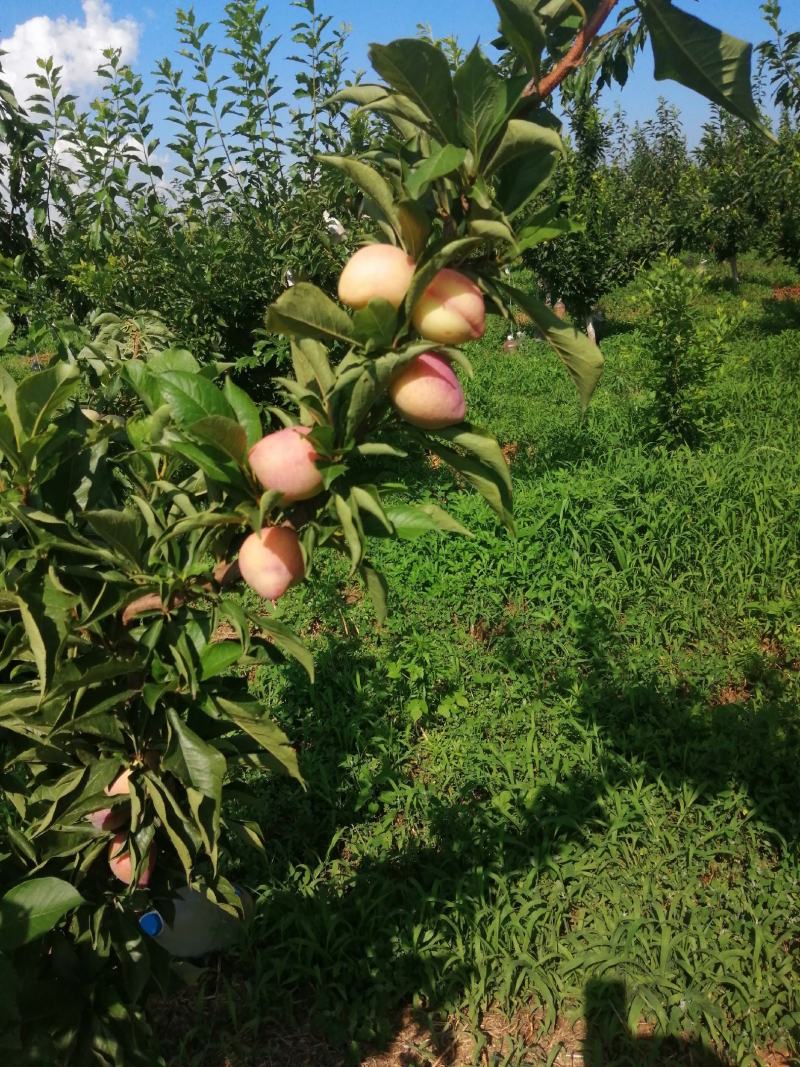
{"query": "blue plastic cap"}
[(151, 923)]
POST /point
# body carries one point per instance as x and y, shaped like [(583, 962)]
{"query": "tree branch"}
[(224, 575), (574, 57)]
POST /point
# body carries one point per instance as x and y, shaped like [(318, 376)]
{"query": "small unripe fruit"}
[(451, 310), (112, 818), (428, 394), (121, 864), (285, 462), (271, 561), (376, 271)]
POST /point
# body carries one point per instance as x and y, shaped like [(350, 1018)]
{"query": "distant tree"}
[(730, 155), (659, 178), (584, 264), (780, 59)]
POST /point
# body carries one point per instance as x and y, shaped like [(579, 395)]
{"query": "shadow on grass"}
[(616, 328), (610, 1042), (340, 953), (673, 733), (776, 316)]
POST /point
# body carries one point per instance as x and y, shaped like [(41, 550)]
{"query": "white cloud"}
[(75, 45)]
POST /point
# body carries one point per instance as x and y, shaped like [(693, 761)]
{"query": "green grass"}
[(563, 779)]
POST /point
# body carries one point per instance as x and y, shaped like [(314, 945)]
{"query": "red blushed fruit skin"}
[(112, 818), (271, 561), (376, 271), (286, 463), (119, 860), (451, 310), (107, 818), (428, 394)]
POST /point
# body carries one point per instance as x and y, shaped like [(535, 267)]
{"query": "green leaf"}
[(369, 181), (523, 179), (377, 589), (483, 477), (174, 821), (703, 58), (250, 718), (6, 329), (368, 499), (544, 225), (524, 138), (362, 95), (361, 399), (245, 411), (40, 395), (205, 764), (411, 521), (523, 31), (225, 434), (42, 637), (217, 657), (421, 72), (21, 843), (305, 311), (173, 359), (212, 462), (415, 227), (485, 101), (311, 363), (582, 358), (192, 397), (347, 512), (408, 118), (484, 446), (375, 325), (248, 832), (143, 383), (286, 641), (491, 228), (34, 907), (119, 530), (8, 440), (380, 448), (439, 164)]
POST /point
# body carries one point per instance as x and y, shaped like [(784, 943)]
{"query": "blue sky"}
[(149, 28)]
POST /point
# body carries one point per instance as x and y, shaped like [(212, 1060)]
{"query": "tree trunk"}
[(734, 272)]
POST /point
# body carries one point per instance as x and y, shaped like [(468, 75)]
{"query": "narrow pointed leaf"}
[(34, 907), (369, 181), (305, 311), (420, 71), (439, 164), (377, 589), (582, 358), (703, 58), (523, 31), (245, 411)]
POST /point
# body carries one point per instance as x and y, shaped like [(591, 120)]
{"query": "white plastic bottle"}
[(199, 926)]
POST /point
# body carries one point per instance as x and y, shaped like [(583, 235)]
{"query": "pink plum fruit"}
[(284, 461), (271, 561), (428, 394)]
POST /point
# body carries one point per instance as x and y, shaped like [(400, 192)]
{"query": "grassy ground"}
[(554, 803)]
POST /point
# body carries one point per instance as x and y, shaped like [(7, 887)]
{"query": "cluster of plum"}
[(426, 393), (119, 858)]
